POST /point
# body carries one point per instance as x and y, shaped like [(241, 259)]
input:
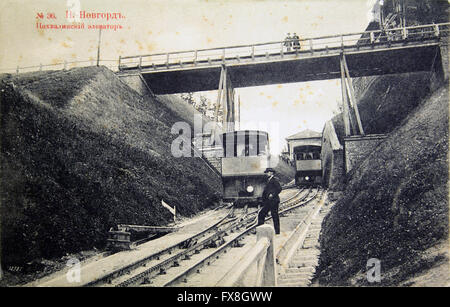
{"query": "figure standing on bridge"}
[(288, 42), (296, 42), (271, 200)]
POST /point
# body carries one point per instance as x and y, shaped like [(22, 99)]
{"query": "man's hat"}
[(269, 169)]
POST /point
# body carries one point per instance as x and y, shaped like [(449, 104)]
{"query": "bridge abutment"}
[(137, 83)]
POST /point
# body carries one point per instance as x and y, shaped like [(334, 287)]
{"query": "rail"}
[(106, 278), (262, 253), (297, 236), (270, 50), (232, 243)]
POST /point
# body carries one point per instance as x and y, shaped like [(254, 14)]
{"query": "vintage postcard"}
[(209, 144)]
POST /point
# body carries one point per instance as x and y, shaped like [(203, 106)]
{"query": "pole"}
[(98, 49), (219, 98), (381, 15), (239, 113), (352, 95), (345, 110)]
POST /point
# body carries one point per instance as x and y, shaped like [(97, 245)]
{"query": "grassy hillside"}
[(81, 152), (181, 108), (285, 172), (395, 206), (388, 101)]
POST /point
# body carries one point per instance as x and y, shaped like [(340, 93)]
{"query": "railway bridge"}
[(344, 56)]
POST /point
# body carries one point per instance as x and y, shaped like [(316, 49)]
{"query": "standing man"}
[(296, 43), (288, 42), (271, 200)]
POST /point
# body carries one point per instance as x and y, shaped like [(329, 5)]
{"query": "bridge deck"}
[(403, 50)]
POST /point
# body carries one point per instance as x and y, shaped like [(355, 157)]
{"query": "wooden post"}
[(224, 99), (253, 53), (238, 113), (219, 96), (269, 275), (345, 112), (98, 48), (195, 57), (311, 46), (232, 113), (167, 60), (436, 30), (352, 96), (231, 116), (140, 61), (17, 69)]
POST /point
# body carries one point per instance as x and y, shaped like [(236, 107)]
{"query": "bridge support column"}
[(352, 120), (225, 97)]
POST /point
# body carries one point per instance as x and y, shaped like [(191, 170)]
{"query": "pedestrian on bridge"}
[(288, 42), (296, 42), (271, 200)]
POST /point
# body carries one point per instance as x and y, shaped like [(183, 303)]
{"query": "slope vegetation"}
[(395, 206), (82, 152)]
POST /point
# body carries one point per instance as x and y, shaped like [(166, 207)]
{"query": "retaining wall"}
[(356, 148)]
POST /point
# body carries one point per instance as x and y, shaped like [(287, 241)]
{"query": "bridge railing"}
[(270, 50), (261, 258), (277, 49), (61, 65)]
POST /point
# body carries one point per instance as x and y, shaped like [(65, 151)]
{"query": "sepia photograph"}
[(224, 149)]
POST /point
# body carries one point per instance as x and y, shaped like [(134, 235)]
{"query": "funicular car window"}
[(263, 145), (307, 152), (245, 144)]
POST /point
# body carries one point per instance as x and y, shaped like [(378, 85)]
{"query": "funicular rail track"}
[(235, 241), (214, 240), (144, 270), (125, 270)]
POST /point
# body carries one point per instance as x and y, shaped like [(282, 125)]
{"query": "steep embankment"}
[(395, 206), (285, 172), (81, 152), (182, 109), (387, 102)]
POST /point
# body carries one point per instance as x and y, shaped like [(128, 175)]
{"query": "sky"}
[(156, 26)]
